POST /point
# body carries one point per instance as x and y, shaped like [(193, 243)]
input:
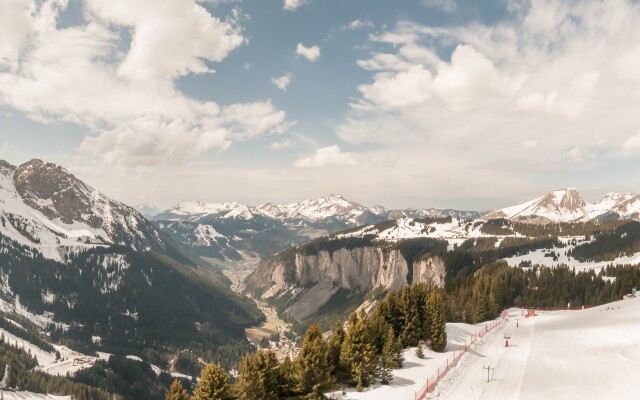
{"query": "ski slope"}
[(586, 354), (411, 378)]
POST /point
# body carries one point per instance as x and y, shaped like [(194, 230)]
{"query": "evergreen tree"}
[(419, 351), (399, 354), (438, 323), (312, 370), (335, 345), (177, 391), (387, 361), (287, 378), (411, 324), (358, 354), (259, 377), (213, 384)]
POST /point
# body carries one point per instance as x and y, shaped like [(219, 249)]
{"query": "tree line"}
[(366, 351)]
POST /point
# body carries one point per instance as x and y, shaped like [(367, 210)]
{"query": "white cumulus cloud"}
[(632, 143), (291, 5), (129, 100), (399, 90), (310, 53), (282, 82), (331, 156)]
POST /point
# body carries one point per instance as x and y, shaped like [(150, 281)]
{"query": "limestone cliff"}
[(309, 280)]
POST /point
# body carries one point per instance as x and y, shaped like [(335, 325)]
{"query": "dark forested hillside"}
[(131, 300)]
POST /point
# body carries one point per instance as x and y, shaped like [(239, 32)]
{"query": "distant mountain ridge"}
[(312, 210), (234, 231), (568, 205)]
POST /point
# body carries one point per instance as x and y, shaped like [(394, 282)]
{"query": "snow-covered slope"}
[(586, 354), (44, 207), (567, 205)]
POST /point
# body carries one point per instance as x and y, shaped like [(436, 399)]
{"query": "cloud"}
[(310, 53), (546, 77), (399, 90), (4, 148), (283, 145), (357, 24), (444, 5), (282, 82), (632, 143), (291, 5), (331, 156), (129, 100), (16, 23), (471, 80)]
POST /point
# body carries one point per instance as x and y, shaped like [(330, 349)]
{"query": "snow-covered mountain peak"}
[(567, 205), (192, 209), (48, 208), (561, 205)]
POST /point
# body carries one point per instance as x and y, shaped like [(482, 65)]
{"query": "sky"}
[(426, 103)]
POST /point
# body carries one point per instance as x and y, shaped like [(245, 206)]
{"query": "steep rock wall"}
[(312, 279)]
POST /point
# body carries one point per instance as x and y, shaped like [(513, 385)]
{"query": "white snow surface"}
[(11, 395), (413, 375), (586, 354), (70, 361)]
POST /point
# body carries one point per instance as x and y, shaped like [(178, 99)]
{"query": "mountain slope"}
[(45, 207), (567, 205), (94, 273)]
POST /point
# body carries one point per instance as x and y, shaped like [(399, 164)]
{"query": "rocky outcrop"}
[(311, 280)]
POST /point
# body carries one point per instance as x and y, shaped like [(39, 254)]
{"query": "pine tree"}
[(387, 361), (419, 351), (411, 324), (177, 391), (312, 369), (259, 377), (287, 378), (399, 353), (335, 345), (213, 384), (358, 354), (438, 322)]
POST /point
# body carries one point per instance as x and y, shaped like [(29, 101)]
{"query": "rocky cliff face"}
[(311, 280)]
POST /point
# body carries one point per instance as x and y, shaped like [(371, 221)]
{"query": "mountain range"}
[(567, 205), (234, 231)]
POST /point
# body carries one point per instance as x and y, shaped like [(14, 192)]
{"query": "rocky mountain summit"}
[(568, 205)]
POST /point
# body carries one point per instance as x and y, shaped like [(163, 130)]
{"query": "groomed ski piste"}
[(583, 354)]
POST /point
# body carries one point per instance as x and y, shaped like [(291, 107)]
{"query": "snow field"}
[(10, 395), (586, 354), (411, 379)]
